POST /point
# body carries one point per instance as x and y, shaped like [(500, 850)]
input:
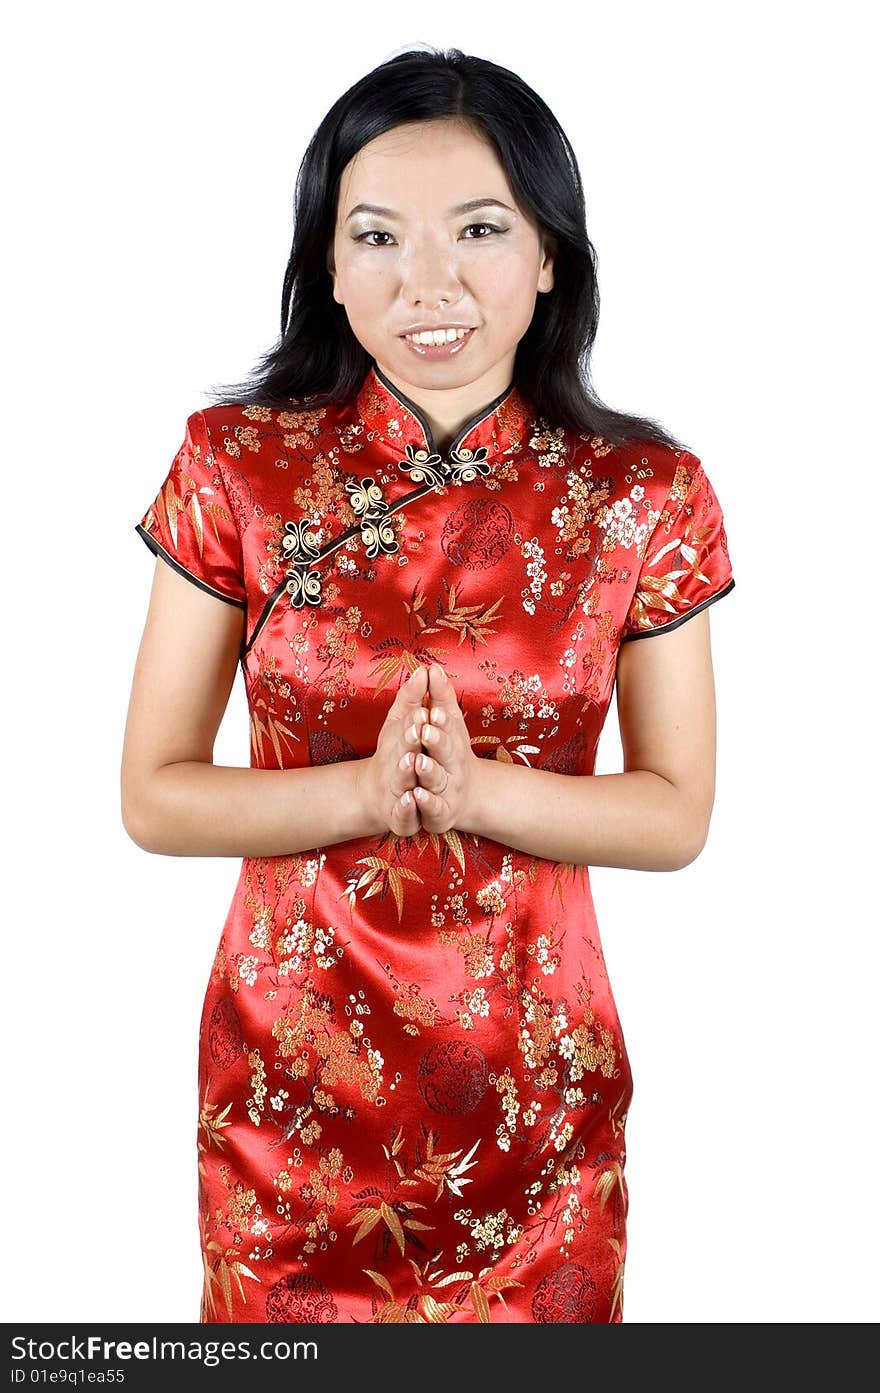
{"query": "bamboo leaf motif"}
[(453, 841), (617, 1288), (436, 1311), (226, 1286), (569, 871), (664, 588), (392, 1313), (661, 592), (214, 1122), (172, 508), (214, 510), (392, 664), (397, 891), (426, 1306), (453, 1277), (480, 1302), (198, 526), (606, 1183), (384, 877), (471, 621), (368, 1219), (669, 546), (394, 1224), (495, 1283), (275, 729), (221, 1273), (380, 1281), (441, 1171), (603, 1187)]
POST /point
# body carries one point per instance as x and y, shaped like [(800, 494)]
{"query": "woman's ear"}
[(549, 247)]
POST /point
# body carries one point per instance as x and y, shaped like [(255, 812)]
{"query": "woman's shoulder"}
[(635, 460), (249, 423)]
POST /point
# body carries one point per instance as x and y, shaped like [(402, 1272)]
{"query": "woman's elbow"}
[(136, 819), (136, 828), (694, 833)]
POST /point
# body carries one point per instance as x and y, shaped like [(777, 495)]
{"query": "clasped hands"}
[(423, 772)]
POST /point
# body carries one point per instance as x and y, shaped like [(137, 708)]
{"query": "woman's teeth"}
[(437, 336)]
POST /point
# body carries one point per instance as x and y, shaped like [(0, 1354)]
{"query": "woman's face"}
[(424, 262)]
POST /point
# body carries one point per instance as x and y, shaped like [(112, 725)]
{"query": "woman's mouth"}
[(438, 343)]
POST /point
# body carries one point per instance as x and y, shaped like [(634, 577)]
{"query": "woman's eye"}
[(364, 235), (482, 224), (376, 232)]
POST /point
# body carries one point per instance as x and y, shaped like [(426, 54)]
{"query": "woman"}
[(429, 547)]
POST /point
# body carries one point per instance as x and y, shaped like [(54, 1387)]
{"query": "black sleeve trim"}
[(159, 550), (682, 618)]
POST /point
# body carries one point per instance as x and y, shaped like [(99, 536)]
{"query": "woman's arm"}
[(652, 817), (174, 799)]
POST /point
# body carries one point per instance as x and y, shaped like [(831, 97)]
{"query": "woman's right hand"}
[(386, 779)]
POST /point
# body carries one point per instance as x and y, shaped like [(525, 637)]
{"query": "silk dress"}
[(413, 1084)]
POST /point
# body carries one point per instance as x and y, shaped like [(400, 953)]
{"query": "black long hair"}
[(318, 356)]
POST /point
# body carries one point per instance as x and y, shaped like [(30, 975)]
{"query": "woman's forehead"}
[(449, 170)]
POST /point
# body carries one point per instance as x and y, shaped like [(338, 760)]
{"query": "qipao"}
[(413, 1085)]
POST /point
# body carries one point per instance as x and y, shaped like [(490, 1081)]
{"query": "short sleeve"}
[(190, 523), (686, 565)]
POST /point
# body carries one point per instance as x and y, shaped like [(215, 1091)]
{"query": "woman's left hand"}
[(446, 769)]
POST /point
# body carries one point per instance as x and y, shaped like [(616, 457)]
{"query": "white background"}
[(150, 157)]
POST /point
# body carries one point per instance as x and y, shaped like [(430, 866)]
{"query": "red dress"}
[(413, 1083)]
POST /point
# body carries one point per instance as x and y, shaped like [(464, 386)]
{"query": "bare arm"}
[(652, 817), (176, 801)]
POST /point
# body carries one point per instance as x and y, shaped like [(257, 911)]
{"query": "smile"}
[(437, 335), (438, 343)]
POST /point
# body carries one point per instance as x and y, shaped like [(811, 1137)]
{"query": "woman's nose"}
[(430, 277)]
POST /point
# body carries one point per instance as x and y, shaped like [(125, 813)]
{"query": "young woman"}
[(433, 552)]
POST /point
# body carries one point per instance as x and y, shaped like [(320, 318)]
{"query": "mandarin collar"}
[(502, 426)]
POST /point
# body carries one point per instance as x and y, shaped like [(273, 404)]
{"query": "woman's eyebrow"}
[(468, 207)]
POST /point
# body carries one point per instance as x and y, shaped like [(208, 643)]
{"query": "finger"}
[(413, 731), (415, 689), (405, 816), (429, 804), (405, 776), (412, 692), (435, 741), (442, 695), (432, 775), (414, 710)]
